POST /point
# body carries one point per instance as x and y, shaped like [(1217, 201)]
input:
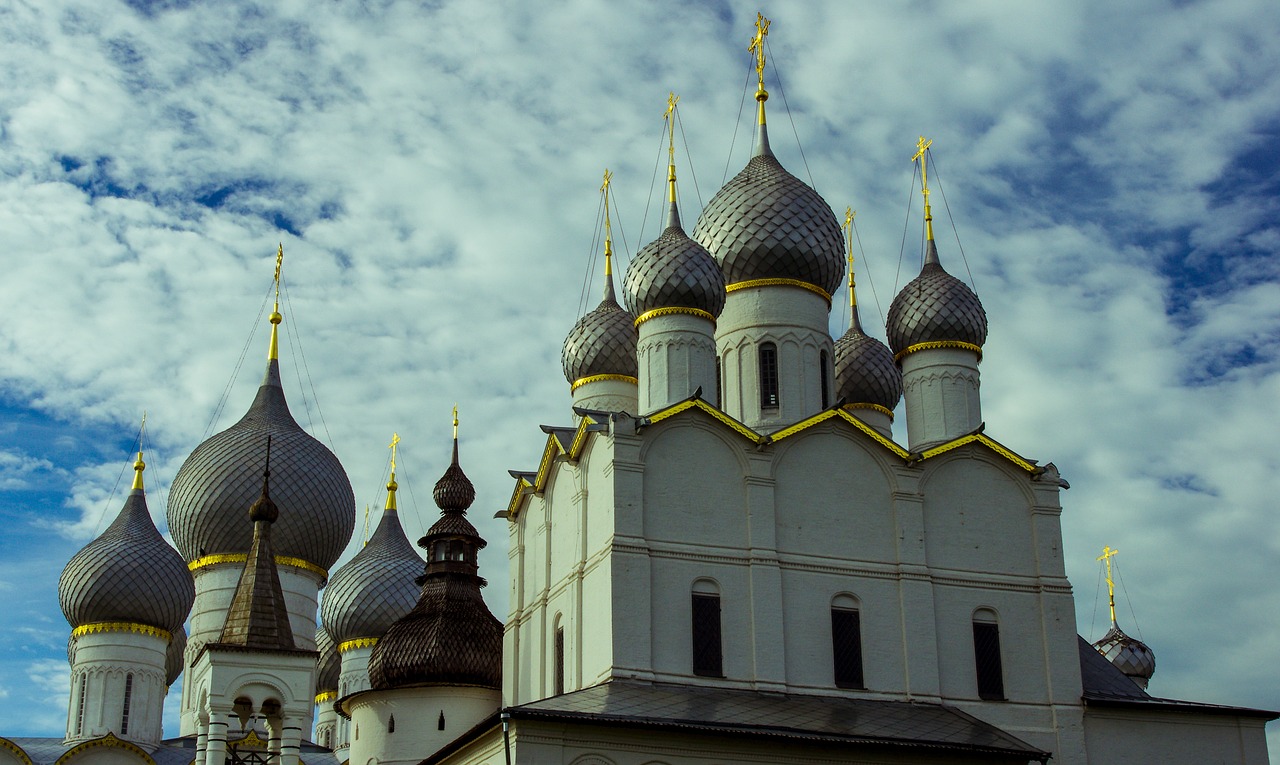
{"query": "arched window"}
[(719, 384), (708, 657), (768, 376), (846, 642), (558, 658), (440, 722), (128, 697), (986, 654), (822, 375), (391, 724), (84, 690)]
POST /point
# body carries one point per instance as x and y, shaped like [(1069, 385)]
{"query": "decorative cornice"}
[(140, 629), (581, 381), (108, 740), (674, 311), (872, 407), (8, 745), (936, 344), (326, 696), (350, 645), (990, 443), (847, 417), (779, 282), (281, 560)]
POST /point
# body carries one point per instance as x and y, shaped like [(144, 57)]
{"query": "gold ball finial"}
[(275, 317)]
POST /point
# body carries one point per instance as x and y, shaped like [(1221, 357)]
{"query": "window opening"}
[(822, 374), (846, 647), (128, 697), (84, 690), (559, 661), (440, 722), (391, 724), (986, 654), (768, 376), (707, 651)]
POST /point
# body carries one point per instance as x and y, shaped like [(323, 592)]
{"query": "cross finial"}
[(849, 215), (395, 441), (273, 352), (1107, 555), (608, 176), (922, 146), (608, 228), (669, 116), (455, 422), (139, 465), (757, 45), (279, 263)]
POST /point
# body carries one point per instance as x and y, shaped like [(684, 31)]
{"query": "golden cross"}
[(849, 214), (1107, 555), (672, 100), (757, 44), (608, 176), (455, 422), (608, 229), (395, 440), (848, 217), (279, 263), (921, 147)]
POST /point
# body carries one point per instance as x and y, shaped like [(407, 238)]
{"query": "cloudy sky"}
[(1110, 170)]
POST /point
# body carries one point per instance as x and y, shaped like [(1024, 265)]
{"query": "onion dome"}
[(1128, 654), (935, 307), (673, 271), (128, 574), (604, 341), (219, 480), (865, 372), (450, 637), (376, 587), (330, 666), (173, 656)]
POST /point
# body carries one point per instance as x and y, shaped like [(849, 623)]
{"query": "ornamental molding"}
[(326, 696), (581, 381), (779, 282), (17, 751), (110, 741), (134, 627), (872, 407), (935, 345), (351, 645), (674, 311), (281, 560)]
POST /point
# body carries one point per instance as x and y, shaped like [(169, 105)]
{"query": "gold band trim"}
[(141, 629), (779, 282), (935, 344), (17, 750), (872, 407), (281, 560), (581, 381), (109, 741), (979, 438), (326, 696), (673, 311), (714, 412), (348, 645)]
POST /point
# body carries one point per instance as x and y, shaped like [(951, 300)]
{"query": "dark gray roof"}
[(823, 718), (1105, 685), (258, 617), (330, 666), (217, 483), (454, 491), (865, 371), (674, 271), (174, 654), (369, 592), (601, 343), (766, 223), (1129, 654), (935, 306), (128, 574)]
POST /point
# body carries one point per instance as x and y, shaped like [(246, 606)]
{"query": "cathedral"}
[(729, 552)]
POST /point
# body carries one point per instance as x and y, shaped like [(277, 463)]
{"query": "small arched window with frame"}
[(768, 376), (986, 655), (708, 652), (846, 641)]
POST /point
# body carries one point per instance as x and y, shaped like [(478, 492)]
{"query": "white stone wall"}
[(795, 321), (104, 662), (1133, 737), (677, 355), (608, 396), (940, 389), (353, 677), (425, 720)]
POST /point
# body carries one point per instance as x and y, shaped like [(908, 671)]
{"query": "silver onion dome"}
[(865, 371), (128, 574), (173, 656), (376, 587), (603, 342), (674, 271), (221, 479), (1128, 654), (935, 307), (767, 224), (330, 666)]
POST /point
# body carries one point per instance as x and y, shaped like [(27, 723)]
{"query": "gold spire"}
[(455, 422), (608, 230), (669, 116), (273, 352), (921, 147), (1107, 555), (391, 484), (849, 214), (139, 465), (757, 47), (364, 535)]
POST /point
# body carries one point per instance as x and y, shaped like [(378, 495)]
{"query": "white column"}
[(677, 355), (940, 389)]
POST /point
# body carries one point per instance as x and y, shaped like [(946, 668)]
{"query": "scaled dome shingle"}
[(935, 307), (128, 574), (767, 224), (375, 588), (222, 478), (1129, 655), (674, 271), (329, 667), (603, 342), (865, 371)]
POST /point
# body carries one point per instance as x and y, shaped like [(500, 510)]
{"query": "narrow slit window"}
[(823, 376), (707, 657), (128, 697), (391, 724), (559, 661), (84, 691), (719, 384), (986, 654), (846, 647), (768, 376)]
